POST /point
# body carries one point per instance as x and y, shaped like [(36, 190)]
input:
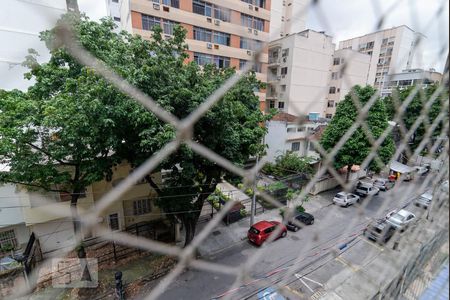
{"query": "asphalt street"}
[(299, 258)]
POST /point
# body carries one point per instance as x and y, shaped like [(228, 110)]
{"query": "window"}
[(259, 3), (342, 60), (281, 105), (148, 22), (222, 38), (284, 70), (202, 34), (283, 88), (114, 222), (210, 10), (291, 129), (389, 51), (8, 238), (202, 59), (173, 3), (141, 207), (334, 75), (252, 22), (328, 116), (300, 129), (295, 146), (336, 61), (272, 105), (256, 68), (168, 26), (313, 116), (250, 44), (384, 42), (370, 45), (285, 52), (332, 90), (330, 103), (222, 62), (117, 19)]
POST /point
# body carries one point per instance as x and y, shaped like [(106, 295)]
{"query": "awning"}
[(399, 167)]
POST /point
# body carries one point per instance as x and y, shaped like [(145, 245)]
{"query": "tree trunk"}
[(74, 213), (349, 170)]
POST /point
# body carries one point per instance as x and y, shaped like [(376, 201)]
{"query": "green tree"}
[(105, 127), (415, 109), (358, 147), (289, 164)]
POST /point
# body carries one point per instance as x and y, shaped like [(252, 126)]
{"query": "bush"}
[(289, 164)]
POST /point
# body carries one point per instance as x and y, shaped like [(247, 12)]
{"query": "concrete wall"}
[(20, 25)]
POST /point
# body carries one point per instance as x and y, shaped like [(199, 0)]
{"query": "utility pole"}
[(253, 206)]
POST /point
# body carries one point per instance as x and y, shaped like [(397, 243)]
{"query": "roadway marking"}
[(347, 264), (319, 294), (370, 243)]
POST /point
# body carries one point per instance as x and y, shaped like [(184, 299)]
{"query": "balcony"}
[(274, 62), (272, 96)]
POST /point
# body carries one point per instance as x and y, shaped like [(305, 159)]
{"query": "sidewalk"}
[(224, 237)]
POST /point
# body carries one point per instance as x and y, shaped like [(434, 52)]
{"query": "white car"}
[(401, 219), (345, 199), (422, 170), (366, 189), (424, 200)]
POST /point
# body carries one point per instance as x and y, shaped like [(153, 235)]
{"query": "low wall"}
[(328, 183)]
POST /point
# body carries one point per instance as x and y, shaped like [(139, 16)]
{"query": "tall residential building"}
[(22, 33), (288, 17), (408, 78), (299, 73), (343, 79), (392, 50), (113, 10), (225, 33)]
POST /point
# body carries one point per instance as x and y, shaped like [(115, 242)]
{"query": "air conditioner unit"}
[(255, 32), (217, 22), (250, 7), (250, 30), (249, 53), (216, 46), (166, 8), (156, 6), (209, 45), (256, 8), (209, 20)]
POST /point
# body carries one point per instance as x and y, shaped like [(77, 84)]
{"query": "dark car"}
[(379, 231), (301, 217)]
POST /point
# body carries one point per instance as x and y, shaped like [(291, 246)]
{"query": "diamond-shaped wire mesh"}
[(290, 277)]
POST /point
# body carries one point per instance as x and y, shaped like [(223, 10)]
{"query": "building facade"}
[(285, 134), (299, 73), (225, 33), (391, 51), (288, 17), (19, 35), (355, 72), (409, 78)]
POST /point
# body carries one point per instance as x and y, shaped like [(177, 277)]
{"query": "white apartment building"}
[(299, 73), (409, 78), (391, 51), (288, 17), (20, 32), (285, 134), (113, 10), (355, 72)]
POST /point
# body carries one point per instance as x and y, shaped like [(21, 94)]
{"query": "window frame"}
[(295, 146)]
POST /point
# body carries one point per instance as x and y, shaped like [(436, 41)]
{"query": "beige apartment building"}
[(408, 78), (299, 74), (225, 33), (355, 72), (391, 50)]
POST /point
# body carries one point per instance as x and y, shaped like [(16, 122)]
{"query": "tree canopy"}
[(289, 164), (81, 122), (358, 147), (415, 109)]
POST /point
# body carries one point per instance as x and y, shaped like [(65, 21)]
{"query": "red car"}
[(262, 230)]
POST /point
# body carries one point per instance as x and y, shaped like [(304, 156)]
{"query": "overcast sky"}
[(351, 18)]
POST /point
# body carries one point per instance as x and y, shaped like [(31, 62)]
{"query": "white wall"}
[(275, 139), (20, 25), (287, 19), (11, 205), (55, 235)]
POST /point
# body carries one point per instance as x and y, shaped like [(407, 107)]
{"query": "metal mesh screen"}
[(292, 277)]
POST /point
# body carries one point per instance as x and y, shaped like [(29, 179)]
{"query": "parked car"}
[(365, 189), (424, 200), (301, 217), (345, 199), (383, 184), (262, 230), (379, 231), (444, 186), (422, 170), (401, 219)]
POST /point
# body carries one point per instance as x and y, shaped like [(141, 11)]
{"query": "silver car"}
[(424, 200), (383, 184), (345, 199), (401, 219)]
